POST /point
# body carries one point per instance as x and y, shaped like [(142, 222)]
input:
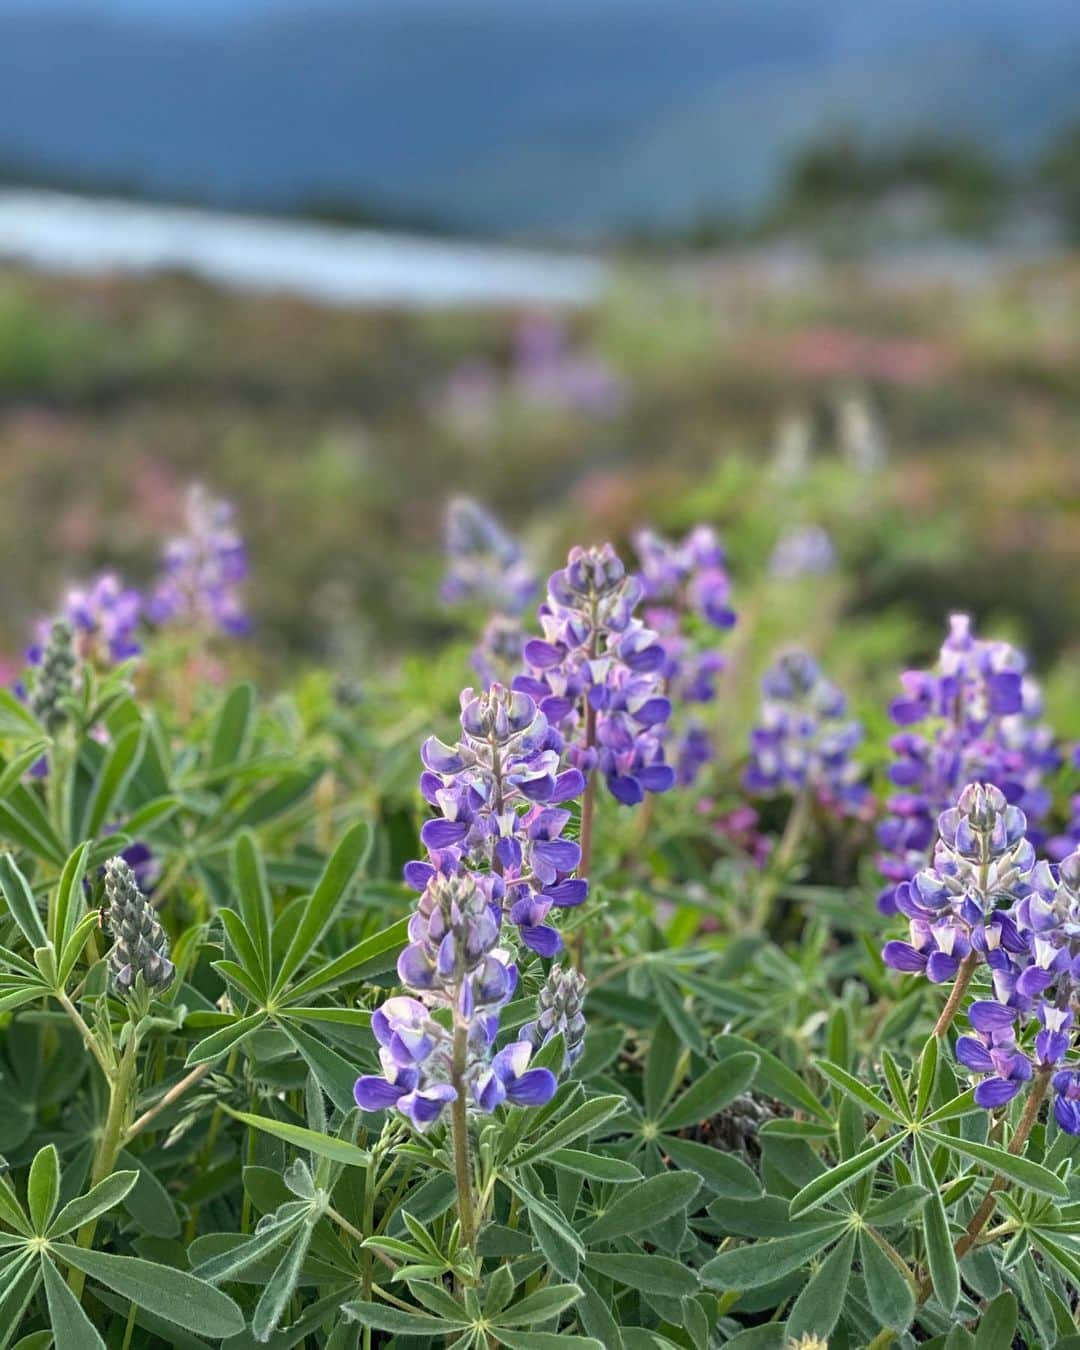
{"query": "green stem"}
[(120, 1090)]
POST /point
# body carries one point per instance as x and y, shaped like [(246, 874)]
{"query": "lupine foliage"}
[(549, 1053)]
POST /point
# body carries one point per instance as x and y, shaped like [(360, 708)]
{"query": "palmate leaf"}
[(539, 1306), (891, 1297), (588, 1116), (279, 1288), (383, 1318)]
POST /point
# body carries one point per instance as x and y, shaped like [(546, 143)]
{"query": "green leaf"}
[(335, 1075), (650, 1203), (11, 1212), (236, 931), (775, 1078), (21, 903), (71, 1328), (383, 1318), (659, 1274), (891, 1297), (546, 1340), (68, 905), (928, 1061), (588, 1116), (939, 1248), (172, 1294), (663, 1066), (74, 946), (232, 727), (997, 1326), (1030, 1175), (220, 1042), (253, 895), (374, 956), (539, 1306), (18, 765), (840, 1177), (763, 1263), (846, 1082), (16, 719), (963, 1105), (97, 1200), (595, 1166), (723, 1173), (227, 1265), (319, 912), (43, 1187), (121, 762), (312, 1141), (670, 999), (818, 1307), (712, 1092), (897, 1206), (280, 1286)]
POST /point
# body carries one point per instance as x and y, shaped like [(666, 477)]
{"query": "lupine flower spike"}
[(54, 679), (204, 570), (804, 738), (597, 675), (139, 957), (686, 598), (500, 794), (976, 717), (454, 962), (986, 902)]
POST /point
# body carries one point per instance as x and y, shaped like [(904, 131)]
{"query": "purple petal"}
[(568, 893), (903, 956), (376, 1094), (994, 1092), (985, 1015), (535, 1087), (974, 1055), (541, 939), (443, 833)]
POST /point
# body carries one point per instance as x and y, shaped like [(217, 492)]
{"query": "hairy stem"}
[(959, 989), (175, 1092), (110, 1143), (459, 1129), (981, 1218)]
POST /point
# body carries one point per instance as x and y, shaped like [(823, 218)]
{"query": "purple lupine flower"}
[(806, 550), (204, 571), (803, 738), (686, 596), (484, 564), (597, 676), (1066, 1084), (992, 1051), (104, 619), (976, 717), (500, 795), (548, 374), (460, 979), (986, 898)]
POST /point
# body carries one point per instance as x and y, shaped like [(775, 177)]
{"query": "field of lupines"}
[(647, 960)]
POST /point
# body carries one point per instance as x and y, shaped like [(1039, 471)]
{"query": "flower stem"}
[(459, 1129), (959, 989), (176, 1091), (109, 1145), (588, 806), (981, 1218)]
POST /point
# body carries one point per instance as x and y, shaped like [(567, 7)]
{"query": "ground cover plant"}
[(654, 997)]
